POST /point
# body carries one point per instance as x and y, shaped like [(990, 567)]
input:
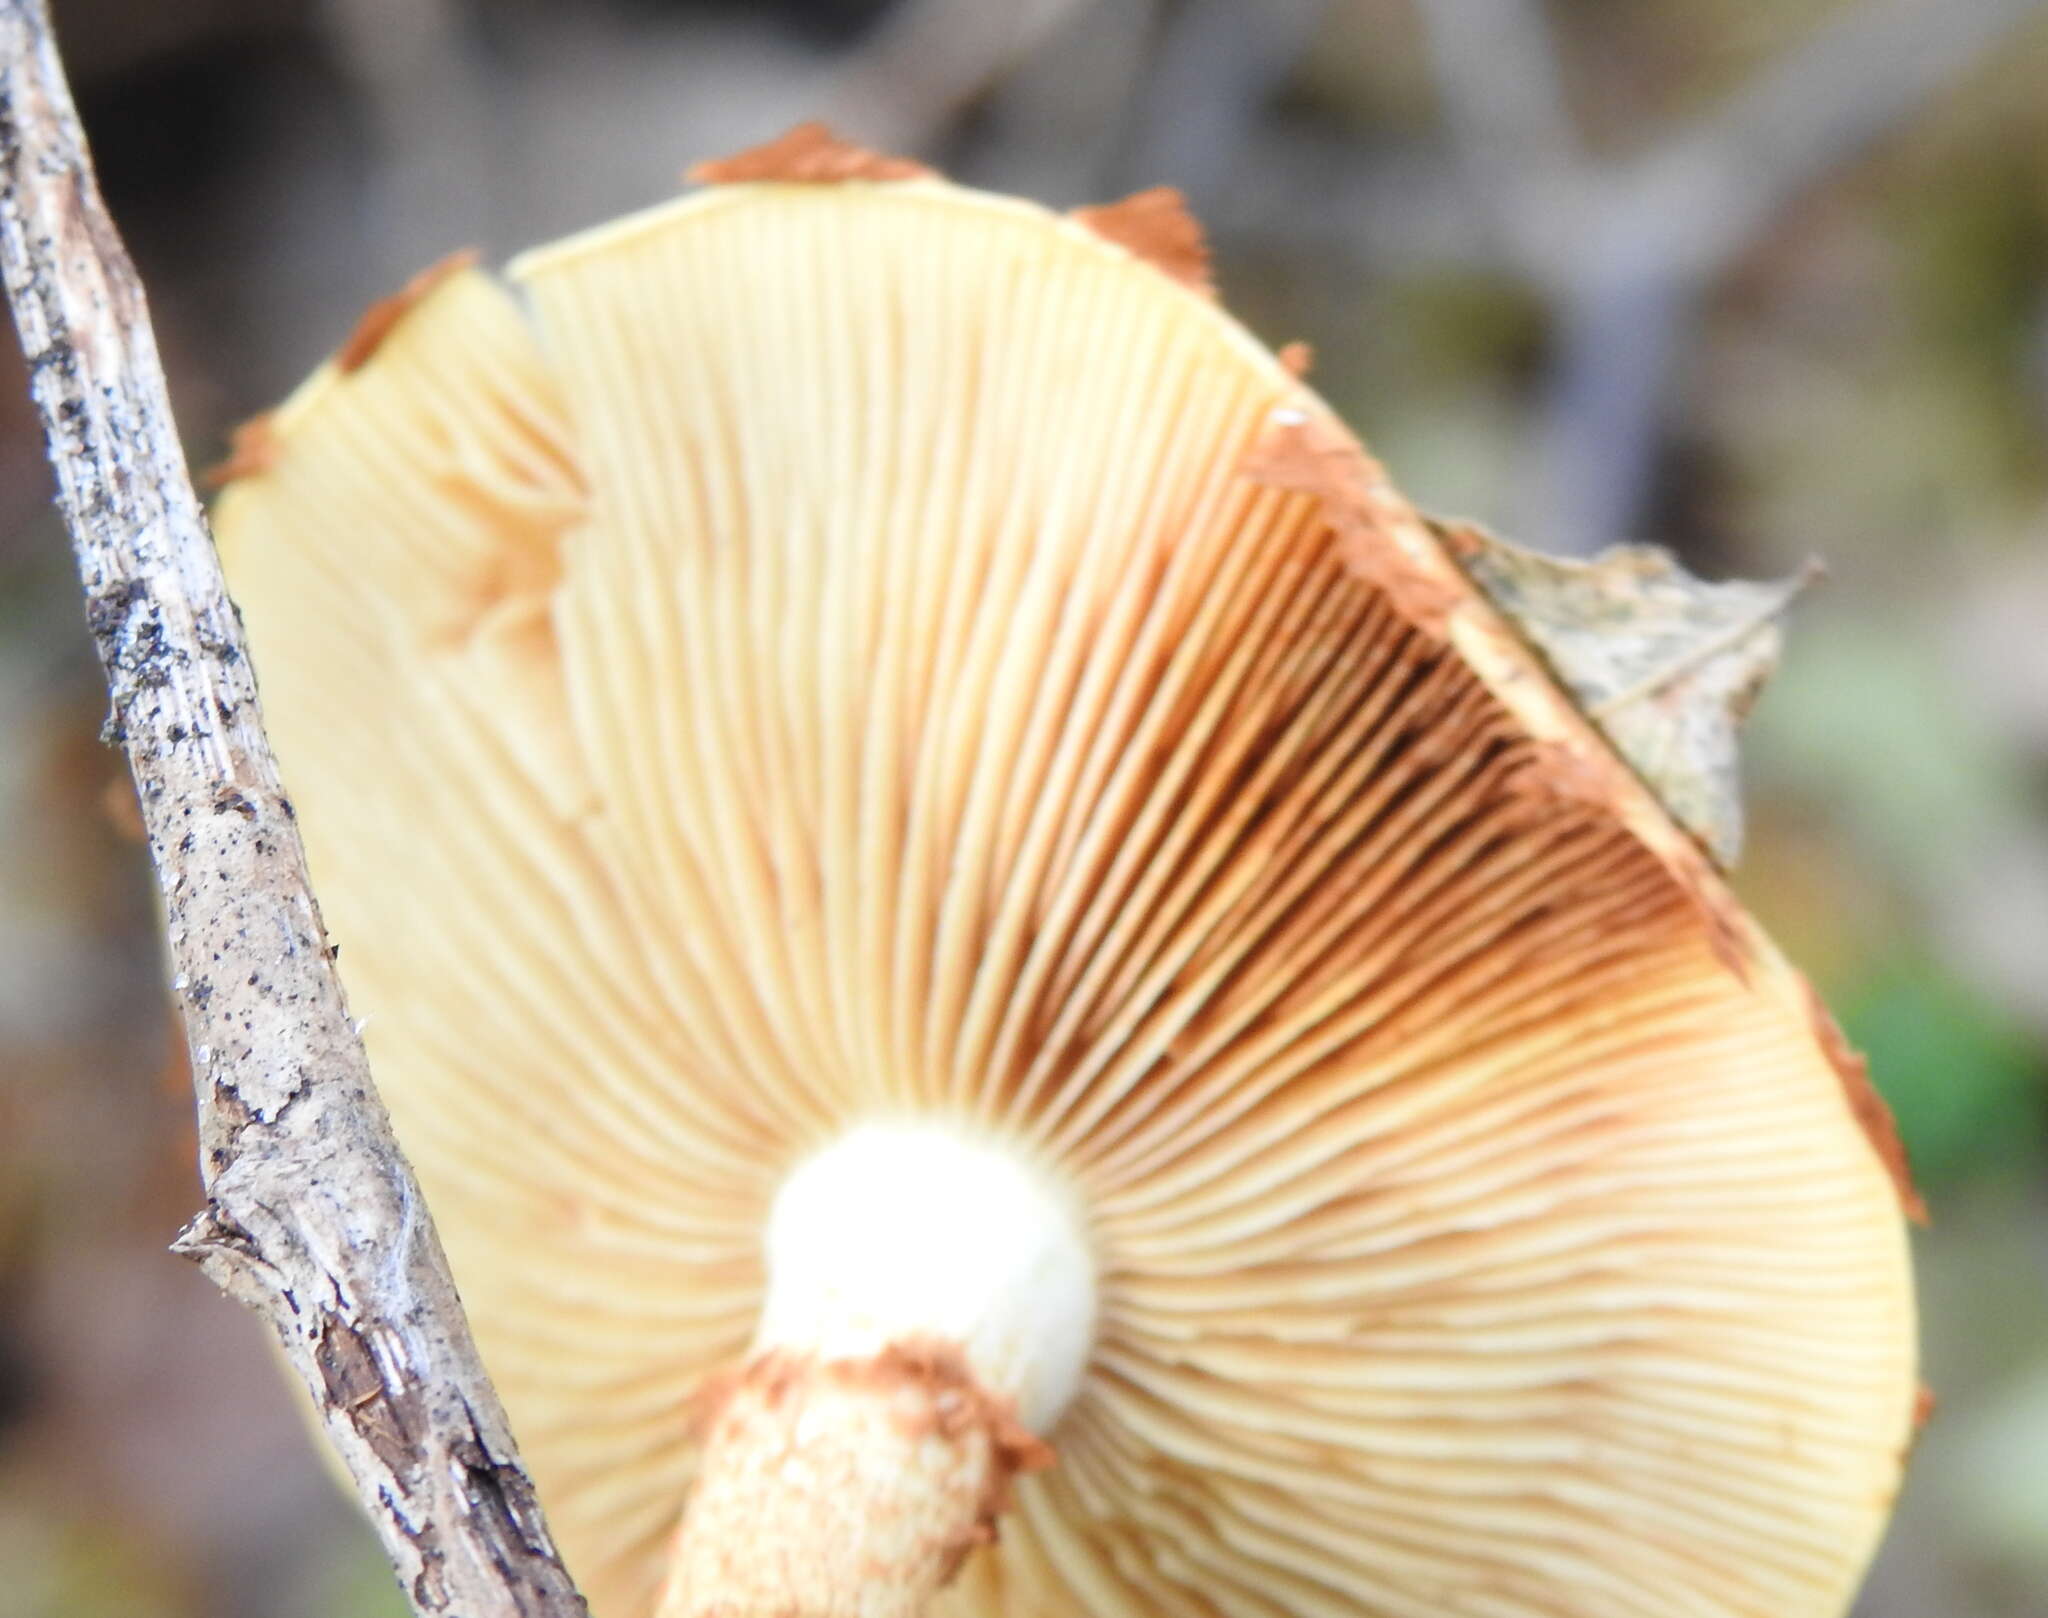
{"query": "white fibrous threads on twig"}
[(313, 1216)]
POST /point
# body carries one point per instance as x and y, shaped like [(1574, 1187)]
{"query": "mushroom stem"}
[(844, 1489)]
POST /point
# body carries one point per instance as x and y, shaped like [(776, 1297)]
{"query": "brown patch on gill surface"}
[(1868, 1107), (1157, 227), (1581, 771), (809, 154), (1356, 860), (253, 449), (382, 317), (1359, 844)]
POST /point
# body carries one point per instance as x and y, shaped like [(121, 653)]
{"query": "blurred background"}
[(1753, 279)]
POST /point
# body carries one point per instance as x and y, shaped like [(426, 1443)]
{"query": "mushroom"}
[(974, 927)]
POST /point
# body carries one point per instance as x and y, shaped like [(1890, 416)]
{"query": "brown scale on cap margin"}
[(810, 154), (1301, 451), (253, 448), (1924, 1403), (383, 316), (1155, 225), (1868, 1106)]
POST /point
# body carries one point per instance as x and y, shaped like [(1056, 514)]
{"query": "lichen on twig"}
[(313, 1218)]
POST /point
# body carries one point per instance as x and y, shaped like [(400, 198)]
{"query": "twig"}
[(1503, 102), (1217, 66), (314, 1218), (1626, 251), (926, 61), (1715, 185)]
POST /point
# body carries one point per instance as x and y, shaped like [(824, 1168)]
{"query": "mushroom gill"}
[(873, 656)]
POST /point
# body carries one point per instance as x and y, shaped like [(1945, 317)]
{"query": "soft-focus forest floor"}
[(1754, 281)]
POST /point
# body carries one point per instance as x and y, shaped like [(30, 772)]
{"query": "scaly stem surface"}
[(849, 1489)]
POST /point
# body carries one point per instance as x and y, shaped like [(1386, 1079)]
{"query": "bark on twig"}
[(314, 1218)]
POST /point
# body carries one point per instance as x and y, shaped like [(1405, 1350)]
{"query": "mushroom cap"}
[(876, 649)]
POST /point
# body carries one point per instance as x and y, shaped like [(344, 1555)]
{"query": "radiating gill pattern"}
[(822, 659)]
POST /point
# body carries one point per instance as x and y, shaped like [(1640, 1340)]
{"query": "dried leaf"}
[(1665, 664)]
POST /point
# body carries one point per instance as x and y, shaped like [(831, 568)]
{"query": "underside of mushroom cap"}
[(875, 651)]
